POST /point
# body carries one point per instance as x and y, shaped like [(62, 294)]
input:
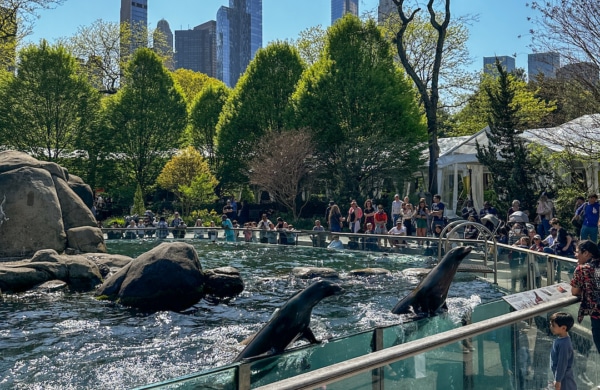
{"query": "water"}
[(68, 340)]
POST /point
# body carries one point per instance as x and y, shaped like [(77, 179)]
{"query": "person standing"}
[(335, 219), (589, 212), (381, 219), (407, 213), (355, 214), (228, 227), (562, 243), (328, 211), (562, 356), (421, 214), (577, 220), (396, 209), (369, 213), (586, 284), (264, 225), (544, 214), (437, 211)]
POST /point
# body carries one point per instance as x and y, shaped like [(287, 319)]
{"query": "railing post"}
[(377, 373), (243, 377)]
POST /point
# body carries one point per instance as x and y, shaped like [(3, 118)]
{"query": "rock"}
[(369, 272), (74, 212), (314, 272), (168, 277), (42, 203), (78, 272), (224, 282), (416, 272), (82, 190), (51, 286), (33, 209), (86, 239), (110, 260)]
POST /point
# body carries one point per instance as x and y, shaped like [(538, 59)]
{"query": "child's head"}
[(560, 319)]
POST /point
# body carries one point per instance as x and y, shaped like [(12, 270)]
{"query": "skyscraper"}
[(341, 7), (489, 64), (197, 49), (543, 63), (239, 36), (163, 42), (385, 9), (135, 14)]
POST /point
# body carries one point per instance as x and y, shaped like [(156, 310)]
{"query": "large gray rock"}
[(82, 190), (168, 277), (315, 272), (41, 206), (33, 211), (78, 272), (86, 239)]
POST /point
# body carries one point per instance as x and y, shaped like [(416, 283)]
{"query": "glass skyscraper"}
[(135, 13), (544, 63), (489, 64), (196, 49), (239, 36), (341, 7)]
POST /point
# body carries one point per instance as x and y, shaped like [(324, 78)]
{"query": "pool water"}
[(66, 340)]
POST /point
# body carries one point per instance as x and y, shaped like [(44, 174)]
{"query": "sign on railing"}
[(531, 298)]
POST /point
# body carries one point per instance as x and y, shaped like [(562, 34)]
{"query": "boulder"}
[(168, 277), (315, 272), (86, 239), (74, 212), (369, 272), (82, 190), (224, 282), (33, 211), (78, 272), (38, 205)]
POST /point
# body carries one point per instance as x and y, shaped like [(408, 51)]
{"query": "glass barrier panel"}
[(303, 360), (218, 379)]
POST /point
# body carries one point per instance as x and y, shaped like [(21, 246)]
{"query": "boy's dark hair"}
[(562, 319)]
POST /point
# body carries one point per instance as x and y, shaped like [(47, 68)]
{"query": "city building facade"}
[(339, 8), (196, 49), (546, 64), (163, 42), (385, 9), (239, 36), (135, 14), (489, 64)]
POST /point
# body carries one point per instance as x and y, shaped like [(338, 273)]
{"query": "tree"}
[(99, 45), (204, 117), (192, 83), (285, 168), (21, 13), (310, 44), (46, 107), (515, 171), (147, 116), (257, 106), (188, 176), (530, 113), (360, 110), (428, 88)]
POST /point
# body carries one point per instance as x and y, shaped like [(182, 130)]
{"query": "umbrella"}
[(518, 216)]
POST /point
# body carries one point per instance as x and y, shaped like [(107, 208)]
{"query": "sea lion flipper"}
[(309, 336)]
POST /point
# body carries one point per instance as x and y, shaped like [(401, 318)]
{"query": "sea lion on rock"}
[(289, 323), (430, 295)]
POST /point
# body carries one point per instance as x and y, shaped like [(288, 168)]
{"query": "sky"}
[(495, 32)]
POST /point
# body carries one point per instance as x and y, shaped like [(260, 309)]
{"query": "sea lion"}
[(289, 323), (430, 295)]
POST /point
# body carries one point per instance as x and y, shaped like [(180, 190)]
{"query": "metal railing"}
[(375, 360)]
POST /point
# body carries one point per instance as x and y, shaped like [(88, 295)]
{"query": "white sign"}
[(531, 298)]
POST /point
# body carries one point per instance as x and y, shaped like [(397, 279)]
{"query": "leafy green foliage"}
[(147, 116), (138, 201), (257, 106), (360, 110), (48, 105)]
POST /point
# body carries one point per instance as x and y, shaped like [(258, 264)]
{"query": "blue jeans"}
[(589, 233), (543, 229), (395, 218)]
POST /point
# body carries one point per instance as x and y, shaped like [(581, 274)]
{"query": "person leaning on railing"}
[(585, 282)]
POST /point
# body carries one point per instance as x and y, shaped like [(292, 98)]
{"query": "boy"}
[(561, 355)]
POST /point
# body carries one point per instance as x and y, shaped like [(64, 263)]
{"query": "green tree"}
[(48, 104), (310, 44), (147, 117), (204, 117), (188, 176), (192, 83), (531, 109), (515, 171), (258, 105), (361, 111)]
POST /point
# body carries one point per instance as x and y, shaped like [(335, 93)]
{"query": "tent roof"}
[(581, 134), (461, 149)]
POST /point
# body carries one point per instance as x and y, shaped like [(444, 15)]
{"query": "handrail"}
[(352, 367)]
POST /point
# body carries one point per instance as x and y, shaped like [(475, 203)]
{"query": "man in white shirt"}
[(396, 208), (398, 230)]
